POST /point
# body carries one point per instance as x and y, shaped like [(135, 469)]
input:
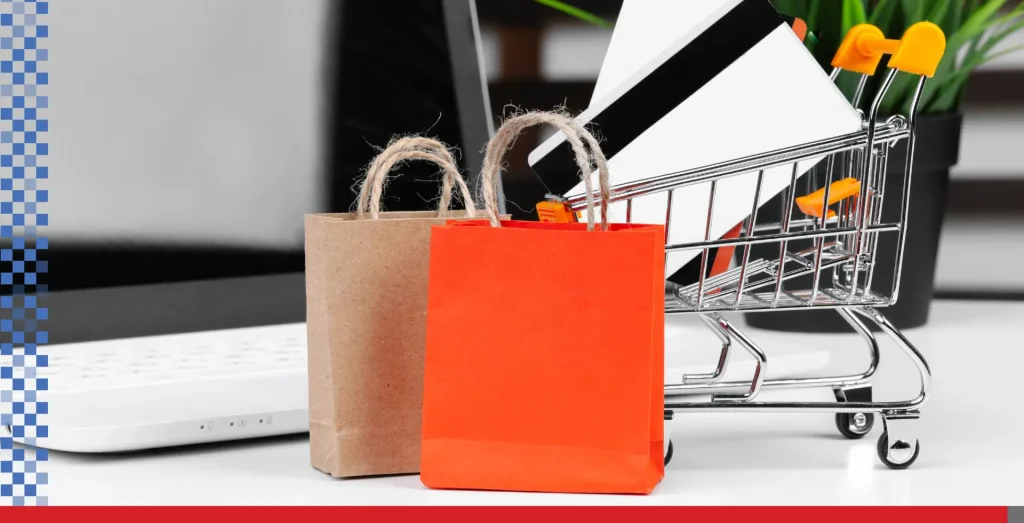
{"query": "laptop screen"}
[(195, 135)]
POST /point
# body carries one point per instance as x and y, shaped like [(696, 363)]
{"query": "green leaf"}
[(949, 97), (853, 14), (913, 11), (882, 16), (973, 28), (976, 23), (576, 12), (952, 20), (797, 8), (983, 42), (899, 94), (979, 55), (953, 88), (972, 6), (938, 12), (946, 90), (812, 14), (1011, 16), (982, 54), (827, 26)]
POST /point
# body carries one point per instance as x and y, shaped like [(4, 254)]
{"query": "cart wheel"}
[(855, 426), (883, 452), (668, 455)]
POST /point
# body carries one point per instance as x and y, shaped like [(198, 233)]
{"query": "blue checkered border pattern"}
[(24, 149)]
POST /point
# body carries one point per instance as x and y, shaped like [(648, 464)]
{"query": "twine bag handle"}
[(400, 151), (575, 133)]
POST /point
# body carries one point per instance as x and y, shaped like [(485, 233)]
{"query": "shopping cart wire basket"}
[(841, 222)]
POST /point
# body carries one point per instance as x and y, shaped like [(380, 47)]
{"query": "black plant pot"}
[(937, 150)]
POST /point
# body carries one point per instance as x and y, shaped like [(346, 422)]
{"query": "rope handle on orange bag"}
[(575, 134), (917, 52), (412, 148)]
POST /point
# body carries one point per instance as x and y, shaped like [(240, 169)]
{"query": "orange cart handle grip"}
[(814, 203), (918, 52)]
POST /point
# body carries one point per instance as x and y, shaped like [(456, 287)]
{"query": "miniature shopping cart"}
[(842, 223)]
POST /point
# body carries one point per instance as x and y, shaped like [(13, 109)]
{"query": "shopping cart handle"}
[(921, 49), (838, 191), (918, 52)]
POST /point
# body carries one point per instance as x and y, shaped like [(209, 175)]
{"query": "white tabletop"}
[(971, 444)]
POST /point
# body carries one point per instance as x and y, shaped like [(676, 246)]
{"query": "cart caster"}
[(668, 435), (900, 454), (900, 429), (855, 426)]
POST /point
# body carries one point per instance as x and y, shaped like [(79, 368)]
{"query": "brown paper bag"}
[(366, 304)]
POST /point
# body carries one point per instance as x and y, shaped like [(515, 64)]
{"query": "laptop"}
[(190, 149)]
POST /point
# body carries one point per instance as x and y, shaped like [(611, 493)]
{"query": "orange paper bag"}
[(545, 347)]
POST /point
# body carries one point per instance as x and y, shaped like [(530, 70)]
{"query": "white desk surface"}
[(972, 444)]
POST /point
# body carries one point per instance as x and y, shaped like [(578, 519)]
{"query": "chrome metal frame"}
[(845, 244)]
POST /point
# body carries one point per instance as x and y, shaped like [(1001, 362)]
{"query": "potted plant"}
[(974, 31)]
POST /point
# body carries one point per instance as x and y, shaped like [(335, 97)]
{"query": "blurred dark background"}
[(539, 58)]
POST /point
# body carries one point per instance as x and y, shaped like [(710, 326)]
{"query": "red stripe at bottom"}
[(511, 514)]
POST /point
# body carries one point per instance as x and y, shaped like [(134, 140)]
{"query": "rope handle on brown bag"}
[(574, 132), (402, 150)]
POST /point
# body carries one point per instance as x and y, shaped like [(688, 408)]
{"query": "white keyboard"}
[(175, 358), (157, 391)]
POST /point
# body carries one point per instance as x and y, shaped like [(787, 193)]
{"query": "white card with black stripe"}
[(735, 81)]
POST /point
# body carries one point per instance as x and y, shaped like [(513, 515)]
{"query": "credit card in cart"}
[(718, 259)]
